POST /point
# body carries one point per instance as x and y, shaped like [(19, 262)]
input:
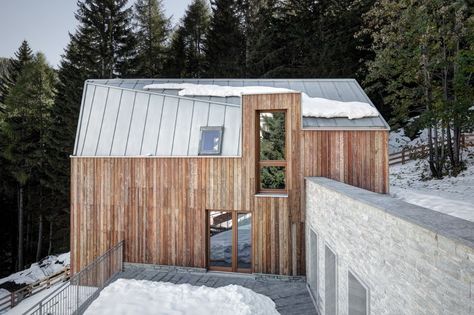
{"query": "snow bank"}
[(398, 140), (147, 297), (311, 106), (4, 292), (40, 270), (450, 195)]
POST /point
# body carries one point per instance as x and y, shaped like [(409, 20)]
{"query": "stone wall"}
[(411, 259)]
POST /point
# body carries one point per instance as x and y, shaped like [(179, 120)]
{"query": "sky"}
[(45, 24)]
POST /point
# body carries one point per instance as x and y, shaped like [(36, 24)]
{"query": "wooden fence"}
[(9, 301), (413, 153)]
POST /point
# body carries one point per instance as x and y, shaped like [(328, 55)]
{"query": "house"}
[(209, 173)]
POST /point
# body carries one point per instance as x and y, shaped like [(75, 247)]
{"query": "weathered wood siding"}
[(358, 158), (158, 205)]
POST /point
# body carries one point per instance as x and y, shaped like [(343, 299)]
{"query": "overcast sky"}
[(45, 24)]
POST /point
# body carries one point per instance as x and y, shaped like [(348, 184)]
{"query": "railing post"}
[(40, 309), (403, 156), (12, 299)]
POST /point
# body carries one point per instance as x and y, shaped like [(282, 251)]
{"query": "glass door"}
[(230, 241)]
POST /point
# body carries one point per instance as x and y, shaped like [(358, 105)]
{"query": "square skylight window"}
[(211, 141)]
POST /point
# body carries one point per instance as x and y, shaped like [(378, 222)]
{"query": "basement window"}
[(211, 140), (330, 280), (358, 297)]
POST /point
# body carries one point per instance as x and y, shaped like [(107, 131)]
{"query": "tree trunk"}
[(450, 144), (457, 151), (28, 233), (20, 228), (40, 238), (50, 242), (433, 149)]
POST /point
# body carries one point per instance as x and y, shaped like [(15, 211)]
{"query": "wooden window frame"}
[(268, 163), (235, 242)]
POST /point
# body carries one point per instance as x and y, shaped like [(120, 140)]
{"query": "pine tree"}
[(106, 38), (152, 31), (175, 64), (25, 124), (424, 67), (225, 42), (12, 69), (195, 25)]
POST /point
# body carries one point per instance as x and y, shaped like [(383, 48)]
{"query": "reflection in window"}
[(211, 141), (220, 224), (271, 148), (272, 177), (244, 239)]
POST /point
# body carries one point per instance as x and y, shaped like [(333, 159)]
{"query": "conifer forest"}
[(415, 59)]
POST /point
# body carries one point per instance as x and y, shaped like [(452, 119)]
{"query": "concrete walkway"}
[(290, 296)]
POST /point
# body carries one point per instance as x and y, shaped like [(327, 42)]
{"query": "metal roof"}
[(119, 118)]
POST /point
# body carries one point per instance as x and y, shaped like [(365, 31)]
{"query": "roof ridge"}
[(148, 92)]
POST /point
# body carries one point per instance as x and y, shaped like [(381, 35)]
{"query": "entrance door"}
[(230, 241)]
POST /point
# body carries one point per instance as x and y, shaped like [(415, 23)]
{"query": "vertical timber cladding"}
[(278, 234), (358, 158), (158, 204)]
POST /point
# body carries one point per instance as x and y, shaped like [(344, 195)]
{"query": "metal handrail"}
[(74, 296)]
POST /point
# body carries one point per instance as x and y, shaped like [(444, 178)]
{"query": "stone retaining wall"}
[(412, 260)]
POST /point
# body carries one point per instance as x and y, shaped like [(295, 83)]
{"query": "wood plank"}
[(158, 205)]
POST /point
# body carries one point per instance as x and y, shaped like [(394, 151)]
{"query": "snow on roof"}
[(119, 118), (311, 106)]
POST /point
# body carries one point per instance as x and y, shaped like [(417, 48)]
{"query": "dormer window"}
[(211, 140)]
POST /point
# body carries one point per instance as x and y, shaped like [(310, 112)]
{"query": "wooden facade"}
[(158, 204)]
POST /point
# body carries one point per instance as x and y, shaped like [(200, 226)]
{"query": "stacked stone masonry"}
[(412, 260)]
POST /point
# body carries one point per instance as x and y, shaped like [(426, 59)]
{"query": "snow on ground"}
[(398, 140), (450, 195), (40, 270), (147, 297), (3, 292), (27, 303), (311, 106)]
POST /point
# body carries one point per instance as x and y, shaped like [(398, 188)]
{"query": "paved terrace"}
[(289, 294)]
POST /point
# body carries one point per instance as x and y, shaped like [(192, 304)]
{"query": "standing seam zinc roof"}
[(119, 118)]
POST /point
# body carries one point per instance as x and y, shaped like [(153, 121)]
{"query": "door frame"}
[(234, 267)]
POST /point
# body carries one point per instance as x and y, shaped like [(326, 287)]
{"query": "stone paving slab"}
[(290, 297)]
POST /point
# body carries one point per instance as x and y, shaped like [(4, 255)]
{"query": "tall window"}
[(271, 151), (313, 260), (330, 282), (358, 301)]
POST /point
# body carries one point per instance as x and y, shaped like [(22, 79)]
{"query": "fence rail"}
[(74, 296), (15, 297), (413, 153)]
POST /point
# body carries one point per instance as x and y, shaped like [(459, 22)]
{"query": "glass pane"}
[(220, 224), (313, 267), (357, 297), (211, 140), (244, 240), (330, 281), (272, 177), (272, 136)]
